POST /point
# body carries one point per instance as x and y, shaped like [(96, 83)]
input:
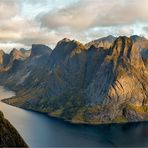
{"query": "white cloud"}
[(94, 13), (24, 22), (8, 9)]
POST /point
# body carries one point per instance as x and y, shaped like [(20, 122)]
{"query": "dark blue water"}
[(43, 131)]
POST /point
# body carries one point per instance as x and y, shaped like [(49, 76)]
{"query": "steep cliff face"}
[(4, 58), (89, 85), (123, 90), (9, 137)]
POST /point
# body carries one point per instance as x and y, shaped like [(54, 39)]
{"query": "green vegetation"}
[(56, 113), (119, 119), (139, 109)]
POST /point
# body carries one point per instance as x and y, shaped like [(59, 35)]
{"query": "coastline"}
[(70, 121)]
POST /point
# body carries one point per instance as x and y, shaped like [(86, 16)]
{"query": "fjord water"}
[(42, 131)]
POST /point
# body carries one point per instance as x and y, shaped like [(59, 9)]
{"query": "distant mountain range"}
[(103, 81)]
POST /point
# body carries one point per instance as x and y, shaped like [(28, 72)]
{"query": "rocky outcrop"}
[(9, 137), (96, 84), (129, 87)]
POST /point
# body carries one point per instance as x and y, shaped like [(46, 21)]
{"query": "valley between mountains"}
[(103, 81)]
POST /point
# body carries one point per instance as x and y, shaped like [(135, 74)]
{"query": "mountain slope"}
[(9, 137), (121, 84), (104, 42), (84, 84)]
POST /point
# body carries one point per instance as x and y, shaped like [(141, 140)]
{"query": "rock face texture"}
[(9, 137), (103, 81), (127, 80)]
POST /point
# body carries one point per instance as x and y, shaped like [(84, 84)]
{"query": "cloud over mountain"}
[(36, 21)]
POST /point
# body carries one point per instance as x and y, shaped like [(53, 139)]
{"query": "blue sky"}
[(27, 22)]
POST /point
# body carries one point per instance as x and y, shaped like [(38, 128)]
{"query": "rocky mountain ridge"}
[(103, 81), (7, 60)]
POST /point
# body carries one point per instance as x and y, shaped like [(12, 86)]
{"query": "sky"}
[(27, 22)]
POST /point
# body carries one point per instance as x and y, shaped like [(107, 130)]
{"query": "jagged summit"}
[(39, 49), (125, 51), (104, 42), (66, 41), (15, 52), (122, 46), (66, 46), (137, 38), (65, 49), (23, 50), (2, 51), (108, 38)]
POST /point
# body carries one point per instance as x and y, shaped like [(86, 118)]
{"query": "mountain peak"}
[(67, 46), (110, 37), (123, 38), (2, 52), (66, 39), (39, 49), (121, 46), (14, 50), (64, 49), (15, 53), (137, 38), (104, 42), (125, 51), (22, 50)]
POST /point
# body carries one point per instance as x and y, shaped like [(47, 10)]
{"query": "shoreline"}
[(72, 122), (62, 119)]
